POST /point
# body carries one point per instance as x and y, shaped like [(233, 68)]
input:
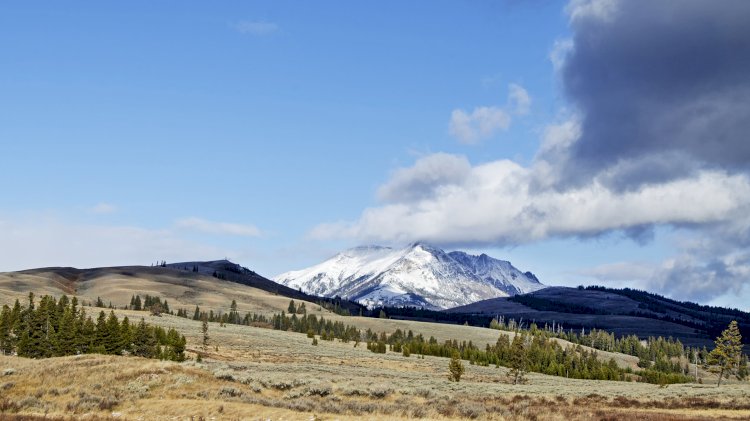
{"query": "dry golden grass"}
[(253, 373), (118, 285)]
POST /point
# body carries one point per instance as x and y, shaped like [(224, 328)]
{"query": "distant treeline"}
[(544, 304), (713, 319), (422, 314), (54, 328), (659, 354), (531, 350), (656, 350)]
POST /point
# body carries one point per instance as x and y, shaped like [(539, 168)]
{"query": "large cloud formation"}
[(662, 87), (659, 137)]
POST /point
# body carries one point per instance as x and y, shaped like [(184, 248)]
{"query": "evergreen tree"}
[(101, 334), (177, 344), (518, 358), (292, 309), (455, 367), (6, 325), (86, 337), (204, 330), (144, 341), (114, 343), (66, 338), (727, 353), (126, 335), (742, 373)]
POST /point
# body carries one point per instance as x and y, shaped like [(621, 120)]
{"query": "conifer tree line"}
[(54, 328), (149, 303), (531, 350), (665, 355)]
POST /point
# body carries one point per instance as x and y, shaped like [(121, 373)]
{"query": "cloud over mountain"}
[(657, 136)]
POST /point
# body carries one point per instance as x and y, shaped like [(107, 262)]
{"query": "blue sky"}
[(276, 133)]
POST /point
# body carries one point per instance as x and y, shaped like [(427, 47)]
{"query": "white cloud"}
[(635, 272), (484, 122), (427, 175), (218, 228), (560, 50), (603, 10), (519, 100), (498, 203), (256, 27), (103, 208), (43, 241)]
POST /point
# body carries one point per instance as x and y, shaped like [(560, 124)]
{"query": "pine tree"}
[(87, 335), (728, 352), (177, 344), (144, 341), (519, 360), (114, 343), (66, 338), (204, 330), (292, 309), (742, 373), (126, 335), (455, 367), (6, 324)]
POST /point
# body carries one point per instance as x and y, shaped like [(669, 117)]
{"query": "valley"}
[(280, 375), (255, 372)]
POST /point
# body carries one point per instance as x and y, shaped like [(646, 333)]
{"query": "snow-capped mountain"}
[(418, 275)]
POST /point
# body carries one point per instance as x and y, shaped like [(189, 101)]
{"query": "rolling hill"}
[(622, 311), (210, 285)]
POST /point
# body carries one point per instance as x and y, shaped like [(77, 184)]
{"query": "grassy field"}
[(254, 373), (213, 294)]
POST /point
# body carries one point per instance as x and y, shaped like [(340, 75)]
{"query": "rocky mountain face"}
[(417, 275)]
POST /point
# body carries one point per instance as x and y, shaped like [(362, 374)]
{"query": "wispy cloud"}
[(485, 121), (519, 100), (480, 124), (103, 208), (259, 28), (218, 228), (35, 240)]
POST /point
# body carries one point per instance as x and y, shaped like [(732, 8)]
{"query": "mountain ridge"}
[(419, 275)]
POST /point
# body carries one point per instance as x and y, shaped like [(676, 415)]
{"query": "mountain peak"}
[(417, 275)]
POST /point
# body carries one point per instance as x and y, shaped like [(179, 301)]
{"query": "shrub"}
[(455, 367), (380, 391)]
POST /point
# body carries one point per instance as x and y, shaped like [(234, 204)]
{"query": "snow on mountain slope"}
[(418, 275)]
